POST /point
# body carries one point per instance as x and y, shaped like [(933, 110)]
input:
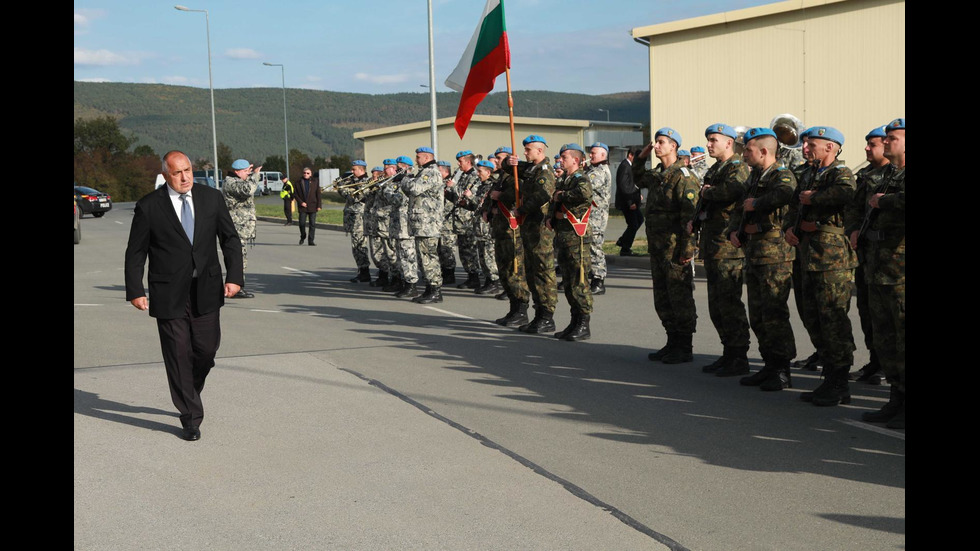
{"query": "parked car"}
[(92, 201), (78, 224)]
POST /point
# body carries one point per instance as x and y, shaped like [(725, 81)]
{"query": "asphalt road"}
[(339, 417)]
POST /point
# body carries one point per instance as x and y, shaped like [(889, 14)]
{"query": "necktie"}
[(187, 217)]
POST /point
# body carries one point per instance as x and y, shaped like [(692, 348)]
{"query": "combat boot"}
[(448, 277), (719, 363), (394, 284), (659, 354), (382, 279), (835, 389), (472, 282), (682, 352), (491, 287), (870, 373), (895, 405), (738, 363), (408, 290), (363, 276), (433, 294), (510, 313), (520, 316), (811, 363), (543, 322), (897, 422), (598, 286), (581, 331), (502, 295), (561, 284), (571, 325), (778, 379)]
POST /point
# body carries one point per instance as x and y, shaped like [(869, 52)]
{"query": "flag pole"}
[(513, 142)]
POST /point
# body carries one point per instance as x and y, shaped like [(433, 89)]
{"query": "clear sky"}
[(368, 46)]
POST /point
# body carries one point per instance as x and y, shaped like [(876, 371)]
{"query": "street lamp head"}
[(182, 8)]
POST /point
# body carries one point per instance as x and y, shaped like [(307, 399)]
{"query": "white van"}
[(271, 181)]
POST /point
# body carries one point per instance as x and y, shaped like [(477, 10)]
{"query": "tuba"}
[(788, 129)]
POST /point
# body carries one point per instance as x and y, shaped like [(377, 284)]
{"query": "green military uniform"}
[(723, 262), (827, 262), (508, 249), (537, 187), (768, 271), (574, 249), (670, 206), (805, 174)]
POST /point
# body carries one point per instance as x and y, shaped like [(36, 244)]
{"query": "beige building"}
[(486, 133), (838, 63)]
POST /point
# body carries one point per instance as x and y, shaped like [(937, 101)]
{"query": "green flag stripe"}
[(490, 32)]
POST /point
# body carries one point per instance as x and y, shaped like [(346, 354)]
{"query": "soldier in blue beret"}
[(600, 178)]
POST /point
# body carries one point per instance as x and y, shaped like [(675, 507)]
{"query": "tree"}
[(101, 135), (144, 151), (225, 158), (274, 163), (297, 160), (340, 161)]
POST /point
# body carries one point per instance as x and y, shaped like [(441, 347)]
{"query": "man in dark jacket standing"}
[(307, 203), (628, 200)]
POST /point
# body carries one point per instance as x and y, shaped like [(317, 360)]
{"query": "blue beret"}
[(878, 132), (444, 163), (359, 162), (389, 162), (697, 149), (897, 124), (572, 147), (670, 133), (404, 160), (683, 153), (721, 128), (377, 169), (240, 164), (464, 153), (486, 164), (558, 156), (827, 133), (760, 132), (599, 144), (503, 149), (534, 138), (425, 149)]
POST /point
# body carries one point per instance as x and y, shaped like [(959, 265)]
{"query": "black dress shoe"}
[(191, 434), (312, 244)]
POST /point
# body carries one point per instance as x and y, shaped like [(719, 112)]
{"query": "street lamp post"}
[(214, 128), (285, 123), (537, 107), (607, 114)]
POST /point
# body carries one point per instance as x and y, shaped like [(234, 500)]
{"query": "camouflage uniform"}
[(790, 157), (447, 237), (537, 187), (805, 175), (481, 229), (573, 250), (723, 262), (601, 181), (508, 244), (768, 268), (670, 205), (700, 168), (240, 199), (425, 217), (404, 244), (882, 247), (827, 262), (461, 220), (354, 224), (377, 220)]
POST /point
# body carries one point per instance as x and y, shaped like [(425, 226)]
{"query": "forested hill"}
[(249, 120)]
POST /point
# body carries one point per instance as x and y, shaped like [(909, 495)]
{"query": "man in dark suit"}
[(308, 203), (177, 226), (628, 200)]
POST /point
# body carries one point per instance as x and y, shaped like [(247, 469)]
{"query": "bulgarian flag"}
[(486, 56)]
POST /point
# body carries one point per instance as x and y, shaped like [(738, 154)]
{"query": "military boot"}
[(738, 363), (363, 276), (433, 294), (581, 331), (721, 362), (598, 286), (472, 281), (835, 389), (895, 405), (561, 284), (659, 354), (870, 373), (382, 279), (510, 313), (408, 290), (682, 352), (448, 277), (491, 287), (502, 295), (395, 283), (543, 322), (778, 379), (897, 422), (520, 316), (811, 363), (571, 325)]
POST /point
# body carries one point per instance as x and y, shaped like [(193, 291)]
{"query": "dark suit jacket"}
[(626, 192), (156, 232), (311, 197)]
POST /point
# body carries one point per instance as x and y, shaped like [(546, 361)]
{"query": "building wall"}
[(840, 64)]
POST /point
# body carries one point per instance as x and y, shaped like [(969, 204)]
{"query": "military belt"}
[(767, 235), (810, 227)]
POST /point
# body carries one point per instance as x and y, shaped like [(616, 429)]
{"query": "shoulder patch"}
[(785, 179), (685, 171), (689, 195)]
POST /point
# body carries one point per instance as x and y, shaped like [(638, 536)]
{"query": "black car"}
[(92, 201)]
